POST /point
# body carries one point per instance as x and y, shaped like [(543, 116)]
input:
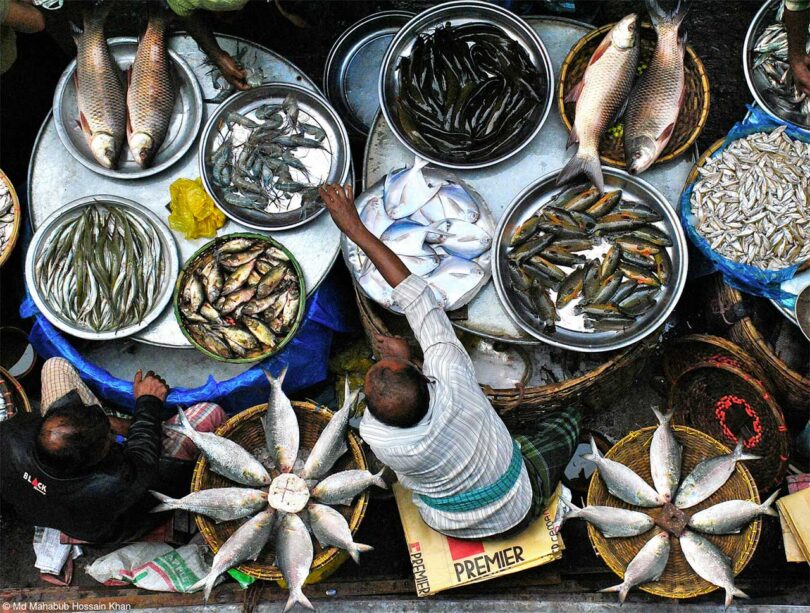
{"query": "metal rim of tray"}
[(202, 251), (211, 130), (45, 233), (409, 31), (530, 198), (340, 57), (189, 80)]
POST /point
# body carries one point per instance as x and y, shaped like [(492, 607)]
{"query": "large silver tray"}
[(313, 108), (72, 210), (499, 185), (457, 13), (55, 177), (569, 333), (183, 128)]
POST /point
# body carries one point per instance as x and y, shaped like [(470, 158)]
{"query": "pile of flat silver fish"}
[(307, 484), (103, 269), (240, 298), (751, 204), (597, 263), (7, 219), (437, 230), (272, 159), (729, 517), (771, 65)]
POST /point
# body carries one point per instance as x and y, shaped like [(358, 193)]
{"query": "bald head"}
[(73, 438), (396, 393)]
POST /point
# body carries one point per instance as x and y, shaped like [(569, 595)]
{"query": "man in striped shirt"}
[(435, 427)]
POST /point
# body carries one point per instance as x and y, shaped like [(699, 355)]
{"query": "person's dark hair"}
[(72, 437), (397, 395)]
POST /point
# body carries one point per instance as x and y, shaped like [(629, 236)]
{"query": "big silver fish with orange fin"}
[(600, 97), (151, 93), (99, 88), (657, 98)]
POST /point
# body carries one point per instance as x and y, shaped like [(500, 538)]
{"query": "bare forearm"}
[(796, 24), (24, 18), (392, 269), (201, 32)]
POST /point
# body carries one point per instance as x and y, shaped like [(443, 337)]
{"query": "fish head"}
[(104, 147), (143, 148), (641, 153), (624, 34)]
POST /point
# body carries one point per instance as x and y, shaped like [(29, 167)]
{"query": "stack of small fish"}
[(7, 218), (653, 104), (728, 517), (240, 298), (6, 407), (771, 64), (437, 230), (102, 269), (751, 201), (293, 545), (109, 110), (271, 160), (467, 92), (547, 257)]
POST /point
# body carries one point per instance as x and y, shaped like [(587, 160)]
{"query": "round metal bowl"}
[(354, 61), (5, 253), (757, 82), (312, 104), (461, 12), (195, 261), (575, 337), (183, 128), (46, 231)]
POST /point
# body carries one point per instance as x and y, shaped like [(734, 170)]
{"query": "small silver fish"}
[(294, 553), (622, 482), (709, 476), (461, 238), (406, 191), (730, 516), (646, 566), (421, 265), (374, 217), (331, 528), (710, 563), (226, 457), (665, 457), (220, 503), (331, 443), (280, 425), (612, 522), (455, 277), (342, 487), (407, 238), (451, 202)]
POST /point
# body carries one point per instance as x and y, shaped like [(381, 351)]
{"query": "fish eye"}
[(637, 155)]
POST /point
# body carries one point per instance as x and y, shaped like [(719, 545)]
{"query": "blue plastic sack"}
[(306, 356), (746, 278)]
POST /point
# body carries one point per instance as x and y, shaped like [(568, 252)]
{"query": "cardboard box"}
[(441, 562)]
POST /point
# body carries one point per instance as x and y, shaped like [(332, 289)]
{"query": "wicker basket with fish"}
[(9, 218)]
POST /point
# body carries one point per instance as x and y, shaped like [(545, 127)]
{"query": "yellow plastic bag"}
[(193, 212)]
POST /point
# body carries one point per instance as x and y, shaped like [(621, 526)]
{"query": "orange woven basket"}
[(678, 579), (246, 429)]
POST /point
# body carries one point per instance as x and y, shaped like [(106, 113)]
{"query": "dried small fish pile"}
[(272, 159), (7, 217), (102, 269), (771, 65), (240, 298), (751, 202), (551, 274), (6, 402), (467, 92)]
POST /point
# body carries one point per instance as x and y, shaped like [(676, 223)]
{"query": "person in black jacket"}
[(86, 474)]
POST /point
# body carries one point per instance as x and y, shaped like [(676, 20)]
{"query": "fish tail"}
[(379, 481), (184, 422), (208, 582), (660, 16), (732, 592), (766, 506), (356, 549), (662, 418), (99, 13), (297, 597), (419, 163), (621, 588), (583, 163), (276, 380), (594, 455), (740, 454), (166, 502), (76, 32)]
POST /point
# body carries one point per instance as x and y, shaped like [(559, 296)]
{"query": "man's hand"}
[(231, 70), (339, 202), (150, 385), (800, 68), (392, 347)]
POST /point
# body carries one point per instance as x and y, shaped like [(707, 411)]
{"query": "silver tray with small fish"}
[(355, 60), (570, 331), (321, 154), (69, 213), (183, 128), (767, 71)]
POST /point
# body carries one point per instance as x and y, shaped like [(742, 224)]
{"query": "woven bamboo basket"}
[(678, 579), (683, 352), (246, 429), (15, 232), (691, 119), (520, 407), (727, 403), (738, 315), (13, 393)]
